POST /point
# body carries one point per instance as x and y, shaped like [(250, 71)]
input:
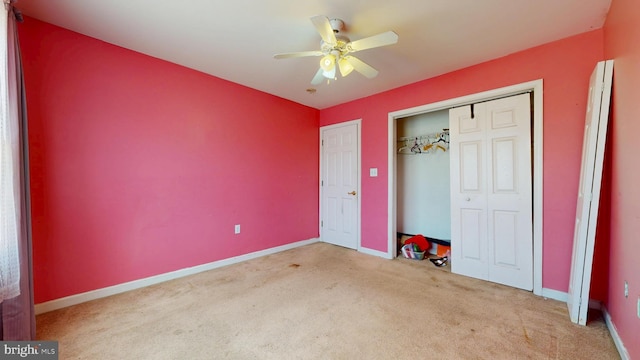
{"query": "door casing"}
[(536, 88)]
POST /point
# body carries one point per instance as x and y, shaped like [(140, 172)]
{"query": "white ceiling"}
[(236, 39)]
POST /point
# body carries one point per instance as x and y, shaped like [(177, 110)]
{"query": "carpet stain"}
[(524, 330), (294, 265), (462, 287), (330, 287)]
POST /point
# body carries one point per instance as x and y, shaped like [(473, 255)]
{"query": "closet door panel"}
[(504, 166), (509, 197), (470, 170), (491, 194), (505, 225), (468, 193)]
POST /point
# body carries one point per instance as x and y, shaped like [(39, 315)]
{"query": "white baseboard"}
[(137, 284), (382, 254), (624, 355), (555, 294), (564, 297)]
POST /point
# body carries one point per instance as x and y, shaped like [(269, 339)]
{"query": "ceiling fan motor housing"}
[(337, 25)]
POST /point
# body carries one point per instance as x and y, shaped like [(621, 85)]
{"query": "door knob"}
[(468, 199), (352, 193)]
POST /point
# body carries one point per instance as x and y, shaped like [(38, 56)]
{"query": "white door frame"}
[(358, 123), (534, 86)]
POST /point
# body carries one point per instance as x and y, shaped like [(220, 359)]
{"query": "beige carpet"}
[(325, 302)]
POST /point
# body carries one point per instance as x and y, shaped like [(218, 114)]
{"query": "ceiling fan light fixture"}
[(329, 74), (328, 63), (345, 67)]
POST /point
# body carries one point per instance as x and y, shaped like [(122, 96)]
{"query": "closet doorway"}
[(398, 184), (423, 175)]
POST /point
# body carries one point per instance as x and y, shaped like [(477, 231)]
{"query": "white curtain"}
[(10, 211)]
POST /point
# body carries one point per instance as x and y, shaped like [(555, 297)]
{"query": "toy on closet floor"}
[(415, 247)]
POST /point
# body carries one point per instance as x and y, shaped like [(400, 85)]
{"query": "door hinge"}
[(322, 143), (321, 182), (321, 223)]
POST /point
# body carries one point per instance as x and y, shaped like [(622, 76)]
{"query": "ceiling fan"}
[(336, 49)]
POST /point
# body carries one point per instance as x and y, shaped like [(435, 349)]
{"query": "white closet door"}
[(468, 192), (595, 132), (509, 192), (491, 194)]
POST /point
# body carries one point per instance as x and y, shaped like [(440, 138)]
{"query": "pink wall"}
[(565, 66), (140, 167), (621, 39)]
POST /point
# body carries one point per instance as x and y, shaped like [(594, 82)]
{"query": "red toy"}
[(419, 240)]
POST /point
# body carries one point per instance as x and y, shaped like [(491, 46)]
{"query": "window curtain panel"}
[(17, 314)]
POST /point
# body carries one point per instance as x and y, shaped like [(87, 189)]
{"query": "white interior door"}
[(339, 186), (595, 132), (491, 192)]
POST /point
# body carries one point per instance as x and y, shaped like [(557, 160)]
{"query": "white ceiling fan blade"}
[(362, 67), (384, 39), (324, 29), (298, 54), (317, 79)]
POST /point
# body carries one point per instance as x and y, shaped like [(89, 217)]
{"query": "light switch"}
[(373, 172)]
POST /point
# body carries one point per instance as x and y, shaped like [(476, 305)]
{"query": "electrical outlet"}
[(626, 289), (237, 229)]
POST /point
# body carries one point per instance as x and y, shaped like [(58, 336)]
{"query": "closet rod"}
[(493, 98)]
